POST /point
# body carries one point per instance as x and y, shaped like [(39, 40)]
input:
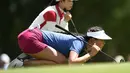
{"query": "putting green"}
[(87, 68)]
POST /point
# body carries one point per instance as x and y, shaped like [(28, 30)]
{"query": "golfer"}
[(57, 48), (53, 15)]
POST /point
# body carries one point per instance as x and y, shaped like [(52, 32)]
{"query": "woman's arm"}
[(74, 56)]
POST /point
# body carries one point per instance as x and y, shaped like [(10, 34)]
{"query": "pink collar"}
[(61, 14)]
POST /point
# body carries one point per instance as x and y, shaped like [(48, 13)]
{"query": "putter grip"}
[(69, 33), (64, 30)]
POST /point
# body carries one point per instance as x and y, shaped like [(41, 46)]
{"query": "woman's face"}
[(68, 4), (98, 42)]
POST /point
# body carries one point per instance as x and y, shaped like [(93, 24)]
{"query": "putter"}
[(86, 42), (74, 26)]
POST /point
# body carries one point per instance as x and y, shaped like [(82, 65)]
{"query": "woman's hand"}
[(67, 16), (94, 50)]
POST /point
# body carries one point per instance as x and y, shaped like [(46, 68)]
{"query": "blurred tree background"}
[(112, 15)]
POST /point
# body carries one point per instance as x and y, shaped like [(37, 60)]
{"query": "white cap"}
[(59, 0), (99, 35)]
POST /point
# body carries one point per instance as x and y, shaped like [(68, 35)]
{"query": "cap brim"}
[(99, 35)]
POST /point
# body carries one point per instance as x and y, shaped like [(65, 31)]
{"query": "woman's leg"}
[(36, 62), (31, 43), (50, 54)]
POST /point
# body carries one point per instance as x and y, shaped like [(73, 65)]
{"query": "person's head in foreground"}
[(95, 37)]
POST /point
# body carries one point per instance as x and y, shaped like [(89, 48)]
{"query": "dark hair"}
[(53, 2), (92, 29)]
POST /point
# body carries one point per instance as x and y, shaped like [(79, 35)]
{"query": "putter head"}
[(119, 59)]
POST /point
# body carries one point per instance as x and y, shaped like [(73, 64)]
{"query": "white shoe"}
[(16, 63)]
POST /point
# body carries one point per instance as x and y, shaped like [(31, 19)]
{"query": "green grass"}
[(87, 68)]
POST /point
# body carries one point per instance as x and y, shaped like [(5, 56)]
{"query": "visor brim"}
[(99, 35)]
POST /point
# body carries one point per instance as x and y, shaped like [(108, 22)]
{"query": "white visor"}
[(99, 35)]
